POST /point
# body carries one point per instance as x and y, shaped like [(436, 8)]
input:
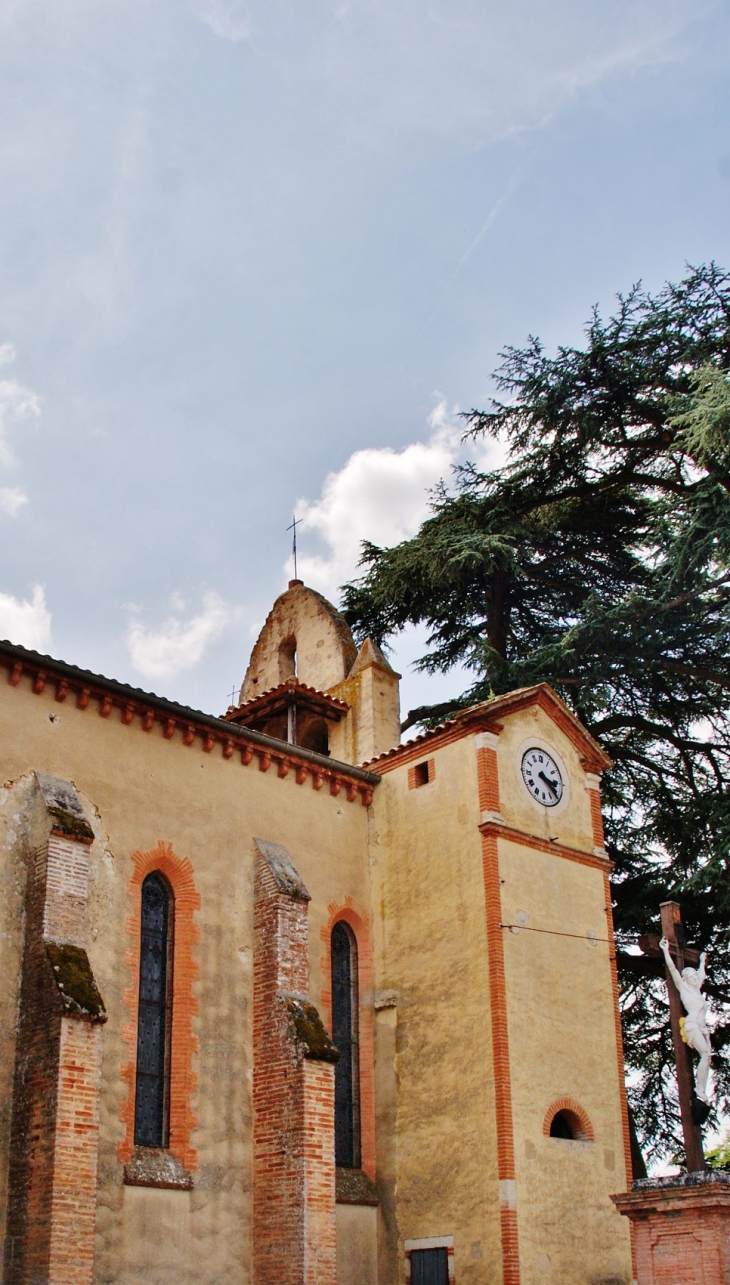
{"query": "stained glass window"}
[(344, 1037), (155, 1013)]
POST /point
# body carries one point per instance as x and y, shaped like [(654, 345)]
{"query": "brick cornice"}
[(545, 845), (144, 710), (485, 718)]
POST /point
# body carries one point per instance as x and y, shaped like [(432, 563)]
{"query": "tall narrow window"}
[(154, 1024), (344, 1036)]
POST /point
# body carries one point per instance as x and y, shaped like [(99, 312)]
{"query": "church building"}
[(288, 1002)]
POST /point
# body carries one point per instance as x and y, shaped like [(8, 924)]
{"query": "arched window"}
[(344, 1037), (567, 1119), (154, 1020)]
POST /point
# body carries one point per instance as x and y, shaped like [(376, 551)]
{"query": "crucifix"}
[(678, 955), (295, 523)]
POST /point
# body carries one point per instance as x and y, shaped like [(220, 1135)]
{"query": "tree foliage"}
[(598, 559)]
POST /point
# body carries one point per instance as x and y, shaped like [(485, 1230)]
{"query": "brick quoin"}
[(597, 818), (294, 1228), (488, 780), (500, 1051), (183, 1044), (617, 1027), (57, 1081), (359, 922)]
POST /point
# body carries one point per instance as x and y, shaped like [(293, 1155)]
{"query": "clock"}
[(542, 778)]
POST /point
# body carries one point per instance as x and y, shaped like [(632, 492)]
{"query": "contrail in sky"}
[(487, 224)]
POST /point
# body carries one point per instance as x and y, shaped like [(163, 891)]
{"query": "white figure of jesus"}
[(696, 1032)]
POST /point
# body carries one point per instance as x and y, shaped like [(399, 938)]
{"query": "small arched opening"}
[(567, 1120), (287, 658)]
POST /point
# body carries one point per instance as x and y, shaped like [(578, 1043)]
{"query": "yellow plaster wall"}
[(570, 822), (562, 1044), (431, 951), (356, 1245), (138, 788), (372, 725)]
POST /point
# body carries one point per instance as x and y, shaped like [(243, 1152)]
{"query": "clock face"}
[(541, 775)]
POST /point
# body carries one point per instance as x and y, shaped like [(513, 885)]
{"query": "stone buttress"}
[(293, 1089), (55, 1115)]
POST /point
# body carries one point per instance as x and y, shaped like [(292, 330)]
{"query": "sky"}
[(256, 257)]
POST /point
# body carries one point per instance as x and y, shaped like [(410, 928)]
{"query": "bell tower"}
[(307, 683)]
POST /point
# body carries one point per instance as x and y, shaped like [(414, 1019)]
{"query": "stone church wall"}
[(138, 788)]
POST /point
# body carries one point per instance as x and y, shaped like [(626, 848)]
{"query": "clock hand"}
[(552, 785)]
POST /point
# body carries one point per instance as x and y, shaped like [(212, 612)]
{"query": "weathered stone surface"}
[(155, 1167)]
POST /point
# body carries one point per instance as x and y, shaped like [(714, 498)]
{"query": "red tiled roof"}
[(478, 717)]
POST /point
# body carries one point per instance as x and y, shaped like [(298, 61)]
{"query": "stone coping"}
[(156, 1167), (353, 1187), (701, 1178)]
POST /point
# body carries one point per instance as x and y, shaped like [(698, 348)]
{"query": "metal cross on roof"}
[(295, 523)]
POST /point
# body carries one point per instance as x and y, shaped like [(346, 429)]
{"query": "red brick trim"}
[(500, 1056), (576, 1114), (416, 773), (619, 1033), (488, 778), (183, 1081), (294, 1225), (428, 741), (359, 923), (690, 1223), (138, 712), (544, 845), (596, 818), (482, 718)]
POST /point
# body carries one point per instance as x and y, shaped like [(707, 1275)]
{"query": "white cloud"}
[(226, 18), (383, 495), (380, 495), (179, 644), (26, 621), (12, 499)]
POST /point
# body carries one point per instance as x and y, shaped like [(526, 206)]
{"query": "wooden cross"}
[(683, 955)]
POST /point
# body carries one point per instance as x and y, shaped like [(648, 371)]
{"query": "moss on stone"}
[(75, 981), (310, 1031), (70, 825)]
